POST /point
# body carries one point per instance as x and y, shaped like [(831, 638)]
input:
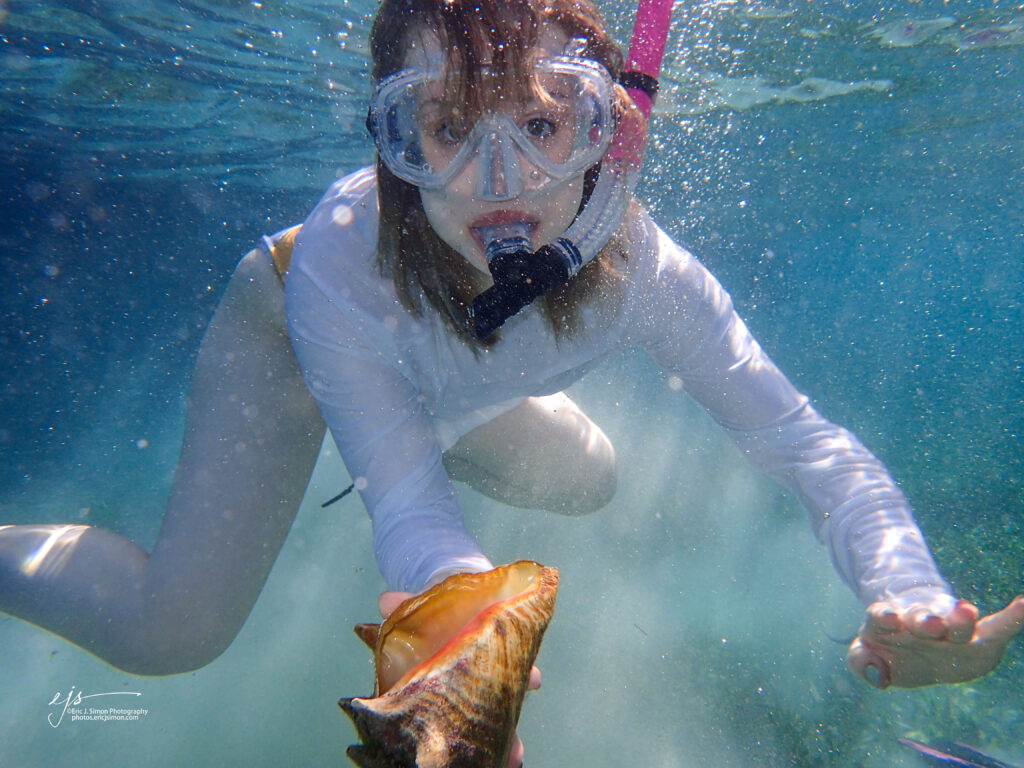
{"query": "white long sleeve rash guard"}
[(397, 390)]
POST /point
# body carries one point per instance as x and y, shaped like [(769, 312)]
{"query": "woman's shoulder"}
[(333, 270), (353, 189), (347, 211), (339, 237), (669, 286), (653, 254)]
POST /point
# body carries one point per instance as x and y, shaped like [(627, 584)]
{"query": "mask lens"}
[(561, 130), (402, 115), (569, 123)]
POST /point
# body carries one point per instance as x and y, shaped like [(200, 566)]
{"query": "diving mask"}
[(558, 133)]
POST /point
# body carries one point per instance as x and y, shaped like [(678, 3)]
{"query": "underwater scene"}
[(853, 174)]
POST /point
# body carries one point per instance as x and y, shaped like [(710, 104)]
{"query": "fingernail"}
[(872, 675)]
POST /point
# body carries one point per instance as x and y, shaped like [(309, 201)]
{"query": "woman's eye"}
[(442, 129), (540, 128), (446, 133)]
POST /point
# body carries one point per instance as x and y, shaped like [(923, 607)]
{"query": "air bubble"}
[(341, 215)]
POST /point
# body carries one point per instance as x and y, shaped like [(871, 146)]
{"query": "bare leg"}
[(252, 435), (543, 454)]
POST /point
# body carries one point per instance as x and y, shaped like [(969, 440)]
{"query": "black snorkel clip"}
[(520, 275)]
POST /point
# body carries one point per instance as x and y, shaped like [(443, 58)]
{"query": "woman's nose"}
[(498, 174)]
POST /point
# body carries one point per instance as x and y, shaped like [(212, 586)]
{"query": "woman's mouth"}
[(501, 224)]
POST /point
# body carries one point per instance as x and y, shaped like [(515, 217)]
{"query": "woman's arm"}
[(343, 318), (252, 435), (855, 508), (916, 632), (379, 425)]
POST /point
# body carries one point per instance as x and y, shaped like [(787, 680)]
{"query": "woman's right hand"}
[(389, 601)]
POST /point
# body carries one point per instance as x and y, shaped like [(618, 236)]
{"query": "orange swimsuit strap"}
[(281, 250)]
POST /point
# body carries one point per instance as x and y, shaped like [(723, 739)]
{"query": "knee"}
[(596, 496), (186, 651), (594, 480)]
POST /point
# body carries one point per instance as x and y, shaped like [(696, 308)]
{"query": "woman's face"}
[(456, 211)]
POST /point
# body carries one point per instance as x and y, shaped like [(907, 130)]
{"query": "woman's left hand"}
[(911, 647), (389, 601)]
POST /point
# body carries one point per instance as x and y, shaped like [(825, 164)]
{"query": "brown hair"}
[(423, 267)]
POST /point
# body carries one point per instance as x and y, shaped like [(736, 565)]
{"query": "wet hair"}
[(426, 271)]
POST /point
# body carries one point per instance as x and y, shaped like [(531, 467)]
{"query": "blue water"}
[(873, 240)]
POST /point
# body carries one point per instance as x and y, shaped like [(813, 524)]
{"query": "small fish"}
[(944, 753), (844, 641), (901, 34)]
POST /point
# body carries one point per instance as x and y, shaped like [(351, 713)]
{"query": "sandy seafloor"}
[(853, 179)]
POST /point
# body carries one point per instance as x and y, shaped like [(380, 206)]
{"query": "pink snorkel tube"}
[(640, 78), (521, 274), (646, 50)]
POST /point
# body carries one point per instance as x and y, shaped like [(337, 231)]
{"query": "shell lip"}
[(531, 577)]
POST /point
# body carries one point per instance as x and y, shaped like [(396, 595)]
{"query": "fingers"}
[(515, 754), (883, 619), (1002, 626), (534, 682), (924, 623), (868, 665), (388, 601), (961, 621)]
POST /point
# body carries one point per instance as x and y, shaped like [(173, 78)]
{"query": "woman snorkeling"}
[(438, 304), (498, 124)]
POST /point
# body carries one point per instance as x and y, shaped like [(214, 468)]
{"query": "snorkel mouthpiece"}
[(520, 274), (500, 239)]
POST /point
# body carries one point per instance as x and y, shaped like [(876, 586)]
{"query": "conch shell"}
[(452, 666)]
